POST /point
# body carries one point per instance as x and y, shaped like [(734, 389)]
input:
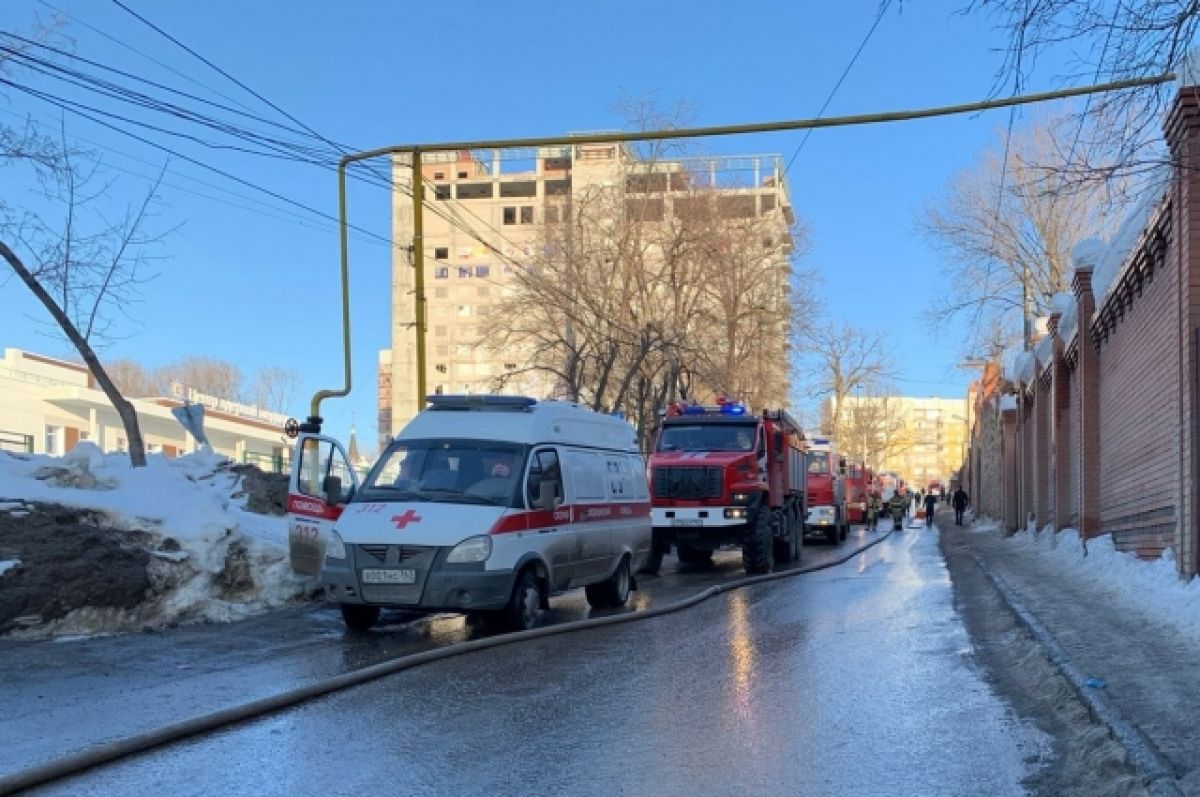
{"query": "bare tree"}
[(1002, 227), (873, 426), (843, 359), (133, 380), (276, 388), (206, 374), (1115, 135), (86, 266)]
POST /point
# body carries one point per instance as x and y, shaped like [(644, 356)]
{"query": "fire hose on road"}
[(110, 752)]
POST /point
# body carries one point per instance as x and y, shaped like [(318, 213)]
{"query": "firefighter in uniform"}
[(899, 508), (874, 506)]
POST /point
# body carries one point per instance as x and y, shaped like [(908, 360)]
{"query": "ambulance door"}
[(587, 492), (555, 536), (321, 484)]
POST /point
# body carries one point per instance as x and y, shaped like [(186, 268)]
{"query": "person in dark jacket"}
[(930, 503), (959, 502)]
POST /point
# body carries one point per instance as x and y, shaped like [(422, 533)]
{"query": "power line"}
[(223, 73), (255, 206), (132, 49), (69, 108), (862, 46)]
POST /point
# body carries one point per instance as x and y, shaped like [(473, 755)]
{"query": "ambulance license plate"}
[(685, 521), (405, 576)]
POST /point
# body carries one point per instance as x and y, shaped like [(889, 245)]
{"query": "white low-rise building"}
[(48, 405)]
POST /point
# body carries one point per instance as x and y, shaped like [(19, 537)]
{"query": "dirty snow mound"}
[(179, 532)]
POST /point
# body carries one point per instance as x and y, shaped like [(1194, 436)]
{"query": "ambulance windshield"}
[(449, 471), (707, 437)]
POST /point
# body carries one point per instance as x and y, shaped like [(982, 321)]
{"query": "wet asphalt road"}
[(60, 697), (852, 680)]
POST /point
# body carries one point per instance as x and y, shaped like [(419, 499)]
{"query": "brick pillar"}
[(1028, 455), (1043, 470), (1009, 471), (1182, 131), (1089, 397), (1060, 413)]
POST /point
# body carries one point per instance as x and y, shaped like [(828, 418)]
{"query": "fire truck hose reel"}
[(110, 752)]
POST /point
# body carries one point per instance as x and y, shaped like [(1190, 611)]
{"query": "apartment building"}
[(489, 213), (922, 439)]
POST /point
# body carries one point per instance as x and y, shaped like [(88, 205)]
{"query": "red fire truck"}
[(826, 500), (860, 480), (719, 476)]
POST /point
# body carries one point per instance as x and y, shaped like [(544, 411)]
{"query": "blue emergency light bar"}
[(722, 409), (480, 402)]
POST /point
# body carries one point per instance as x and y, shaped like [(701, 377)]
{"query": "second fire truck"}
[(721, 476)]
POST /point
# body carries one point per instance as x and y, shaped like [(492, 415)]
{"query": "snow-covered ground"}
[(1150, 587), (188, 500)]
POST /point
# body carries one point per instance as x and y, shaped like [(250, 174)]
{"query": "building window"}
[(441, 368), (464, 272), (439, 389), (439, 332), (551, 214), (464, 311), (483, 271), (527, 214), (510, 366), (483, 290), (441, 192), (510, 215), (54, 440), (441, 272), (483, 309), (439, 175), (441, 293), (441, 253), (462, 175)]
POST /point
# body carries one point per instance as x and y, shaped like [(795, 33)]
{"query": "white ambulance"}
[(483, 504)]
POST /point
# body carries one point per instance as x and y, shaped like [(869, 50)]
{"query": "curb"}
[(73, 764), (1157, 774)]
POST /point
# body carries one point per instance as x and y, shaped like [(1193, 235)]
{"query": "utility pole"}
[(1027, 306)]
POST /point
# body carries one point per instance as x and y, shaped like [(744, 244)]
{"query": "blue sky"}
[(262, 290)]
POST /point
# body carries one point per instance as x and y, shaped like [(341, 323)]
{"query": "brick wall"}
[(1104, 436), (1139, 414)]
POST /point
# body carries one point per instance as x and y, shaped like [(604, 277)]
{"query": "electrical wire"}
[(854, 59)]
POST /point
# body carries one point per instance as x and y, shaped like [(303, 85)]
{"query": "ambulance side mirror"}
[(547, 494), (333, 490)]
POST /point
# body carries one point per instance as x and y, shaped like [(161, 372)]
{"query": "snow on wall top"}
[(1065, 304), (1043, 349), (1128, 234), (1008, 362)]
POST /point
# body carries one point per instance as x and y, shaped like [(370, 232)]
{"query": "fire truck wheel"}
[(653, 562), (757, 550), (612, 591), (693, 556), (359, 618), (834, 533), (785, 545)]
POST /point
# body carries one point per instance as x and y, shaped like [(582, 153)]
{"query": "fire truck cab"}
[(827, 512), (720, 476)]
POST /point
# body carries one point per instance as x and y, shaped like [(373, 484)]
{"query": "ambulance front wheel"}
[(359, 618), (523, 607)]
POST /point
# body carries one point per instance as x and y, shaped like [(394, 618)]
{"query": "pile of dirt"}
[(266, 493), (62, 559)]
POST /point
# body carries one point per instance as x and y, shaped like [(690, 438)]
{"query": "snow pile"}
[(226, 562), (1152, 588), (985, 525)]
